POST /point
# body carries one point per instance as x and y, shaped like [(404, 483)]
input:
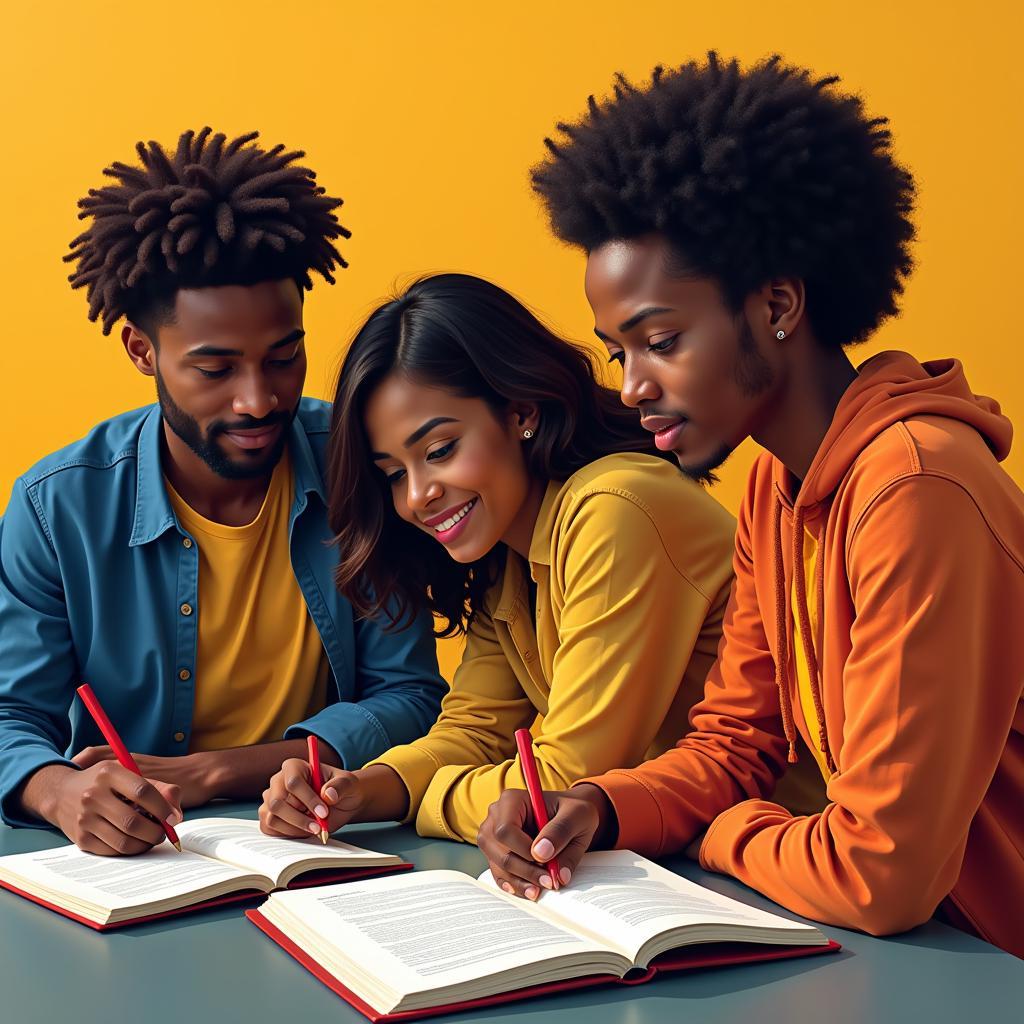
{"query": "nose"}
[(422, 490), (255, 397), (637, 385)]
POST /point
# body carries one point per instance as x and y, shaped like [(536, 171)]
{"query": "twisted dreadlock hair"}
[(212, 213), (749, 175)]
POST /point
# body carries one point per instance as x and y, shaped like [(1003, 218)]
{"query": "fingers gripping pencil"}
[(124, 758), (314, 768)]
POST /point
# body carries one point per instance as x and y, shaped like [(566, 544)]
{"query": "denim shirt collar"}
[(153, 513)]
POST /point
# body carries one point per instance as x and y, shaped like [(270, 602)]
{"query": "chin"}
[(466, 554), (703, 470)]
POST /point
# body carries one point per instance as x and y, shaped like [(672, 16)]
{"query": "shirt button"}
[(184, 675), (178, 737), (527, 655), (186, 542), (186, 609)]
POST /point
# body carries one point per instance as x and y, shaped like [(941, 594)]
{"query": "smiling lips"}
[(666, 430), (447, 525)]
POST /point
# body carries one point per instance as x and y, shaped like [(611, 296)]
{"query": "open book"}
[(222, 859), (428, 943)]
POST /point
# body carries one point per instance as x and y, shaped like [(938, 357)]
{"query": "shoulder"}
[(644, 503), (654, 486), (107, 445), (935, 473)]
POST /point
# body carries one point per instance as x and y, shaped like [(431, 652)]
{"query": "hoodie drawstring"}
[(782, 637)]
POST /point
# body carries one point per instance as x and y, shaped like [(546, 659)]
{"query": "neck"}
[(214, 497), (814, 385), (520, 533)]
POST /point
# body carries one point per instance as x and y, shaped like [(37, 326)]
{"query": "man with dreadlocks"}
[(178, 557), (742, 228)]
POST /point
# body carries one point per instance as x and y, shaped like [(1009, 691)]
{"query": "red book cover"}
[(314, 878), (721, 954)]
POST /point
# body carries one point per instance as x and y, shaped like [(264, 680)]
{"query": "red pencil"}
[(120, 750), (524, 744), (314, 767)]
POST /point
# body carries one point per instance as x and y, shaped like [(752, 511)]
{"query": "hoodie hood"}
[(890, 387)]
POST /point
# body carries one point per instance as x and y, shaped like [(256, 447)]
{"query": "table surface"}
[(215, 966)]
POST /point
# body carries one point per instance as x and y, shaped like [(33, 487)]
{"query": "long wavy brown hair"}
[(466, 335)]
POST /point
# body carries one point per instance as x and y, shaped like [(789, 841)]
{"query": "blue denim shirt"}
[(99, 584)]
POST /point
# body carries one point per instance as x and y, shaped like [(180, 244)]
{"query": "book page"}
[(425, 931), (628, 900), (239, 841), (115, 882)]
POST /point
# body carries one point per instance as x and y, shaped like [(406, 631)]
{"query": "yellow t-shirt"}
[(260, 665), (803, 674)]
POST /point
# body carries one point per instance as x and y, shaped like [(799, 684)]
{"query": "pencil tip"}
[(323, 836)]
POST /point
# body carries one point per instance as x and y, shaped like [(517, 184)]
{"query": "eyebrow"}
[(213, 350), (627, 325), (419, 432)]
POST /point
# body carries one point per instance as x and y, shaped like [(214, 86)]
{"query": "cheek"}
[(400, 505), (494, 470), (294, 379)]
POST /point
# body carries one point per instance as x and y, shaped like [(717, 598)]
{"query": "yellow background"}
[(426, 118)]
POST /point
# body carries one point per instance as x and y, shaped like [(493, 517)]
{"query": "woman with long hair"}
[(478, 468)]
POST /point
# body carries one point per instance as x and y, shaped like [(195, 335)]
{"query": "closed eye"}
[(664, 345), (213, 374), (617, 357), (393, 478)]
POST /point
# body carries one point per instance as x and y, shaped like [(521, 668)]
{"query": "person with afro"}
[(177, 558), (743, 229)]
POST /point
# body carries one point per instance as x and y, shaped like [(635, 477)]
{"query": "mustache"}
[(249, 423)]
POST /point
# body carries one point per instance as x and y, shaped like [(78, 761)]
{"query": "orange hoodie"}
[(916, 668)]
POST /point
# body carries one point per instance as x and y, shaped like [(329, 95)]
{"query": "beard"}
[(251, 465), (753, 375)]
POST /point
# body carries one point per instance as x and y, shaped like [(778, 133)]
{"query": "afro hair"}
[(750, 175)]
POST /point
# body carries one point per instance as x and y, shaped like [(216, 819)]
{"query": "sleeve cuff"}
[(636, 808), (432, 819), (351, 730)]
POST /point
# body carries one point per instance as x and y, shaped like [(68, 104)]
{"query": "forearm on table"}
[(241, 773)]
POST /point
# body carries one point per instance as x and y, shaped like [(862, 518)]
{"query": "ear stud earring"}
[(780, 335), (527, 434)]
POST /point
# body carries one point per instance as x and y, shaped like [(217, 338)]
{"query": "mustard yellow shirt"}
[(260, 665), (633, 565), (803, 672)]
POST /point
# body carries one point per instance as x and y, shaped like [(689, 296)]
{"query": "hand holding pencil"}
[(526, 858), (106, 808)]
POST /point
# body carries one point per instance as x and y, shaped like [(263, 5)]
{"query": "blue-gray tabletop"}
[(215, 966)]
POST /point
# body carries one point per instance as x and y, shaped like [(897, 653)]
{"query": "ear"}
[(523, 416), (785, 301), (141, 351)]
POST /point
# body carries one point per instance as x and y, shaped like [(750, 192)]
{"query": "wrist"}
[(40, 795), (607, 832), (207, 775), (387, 799)]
